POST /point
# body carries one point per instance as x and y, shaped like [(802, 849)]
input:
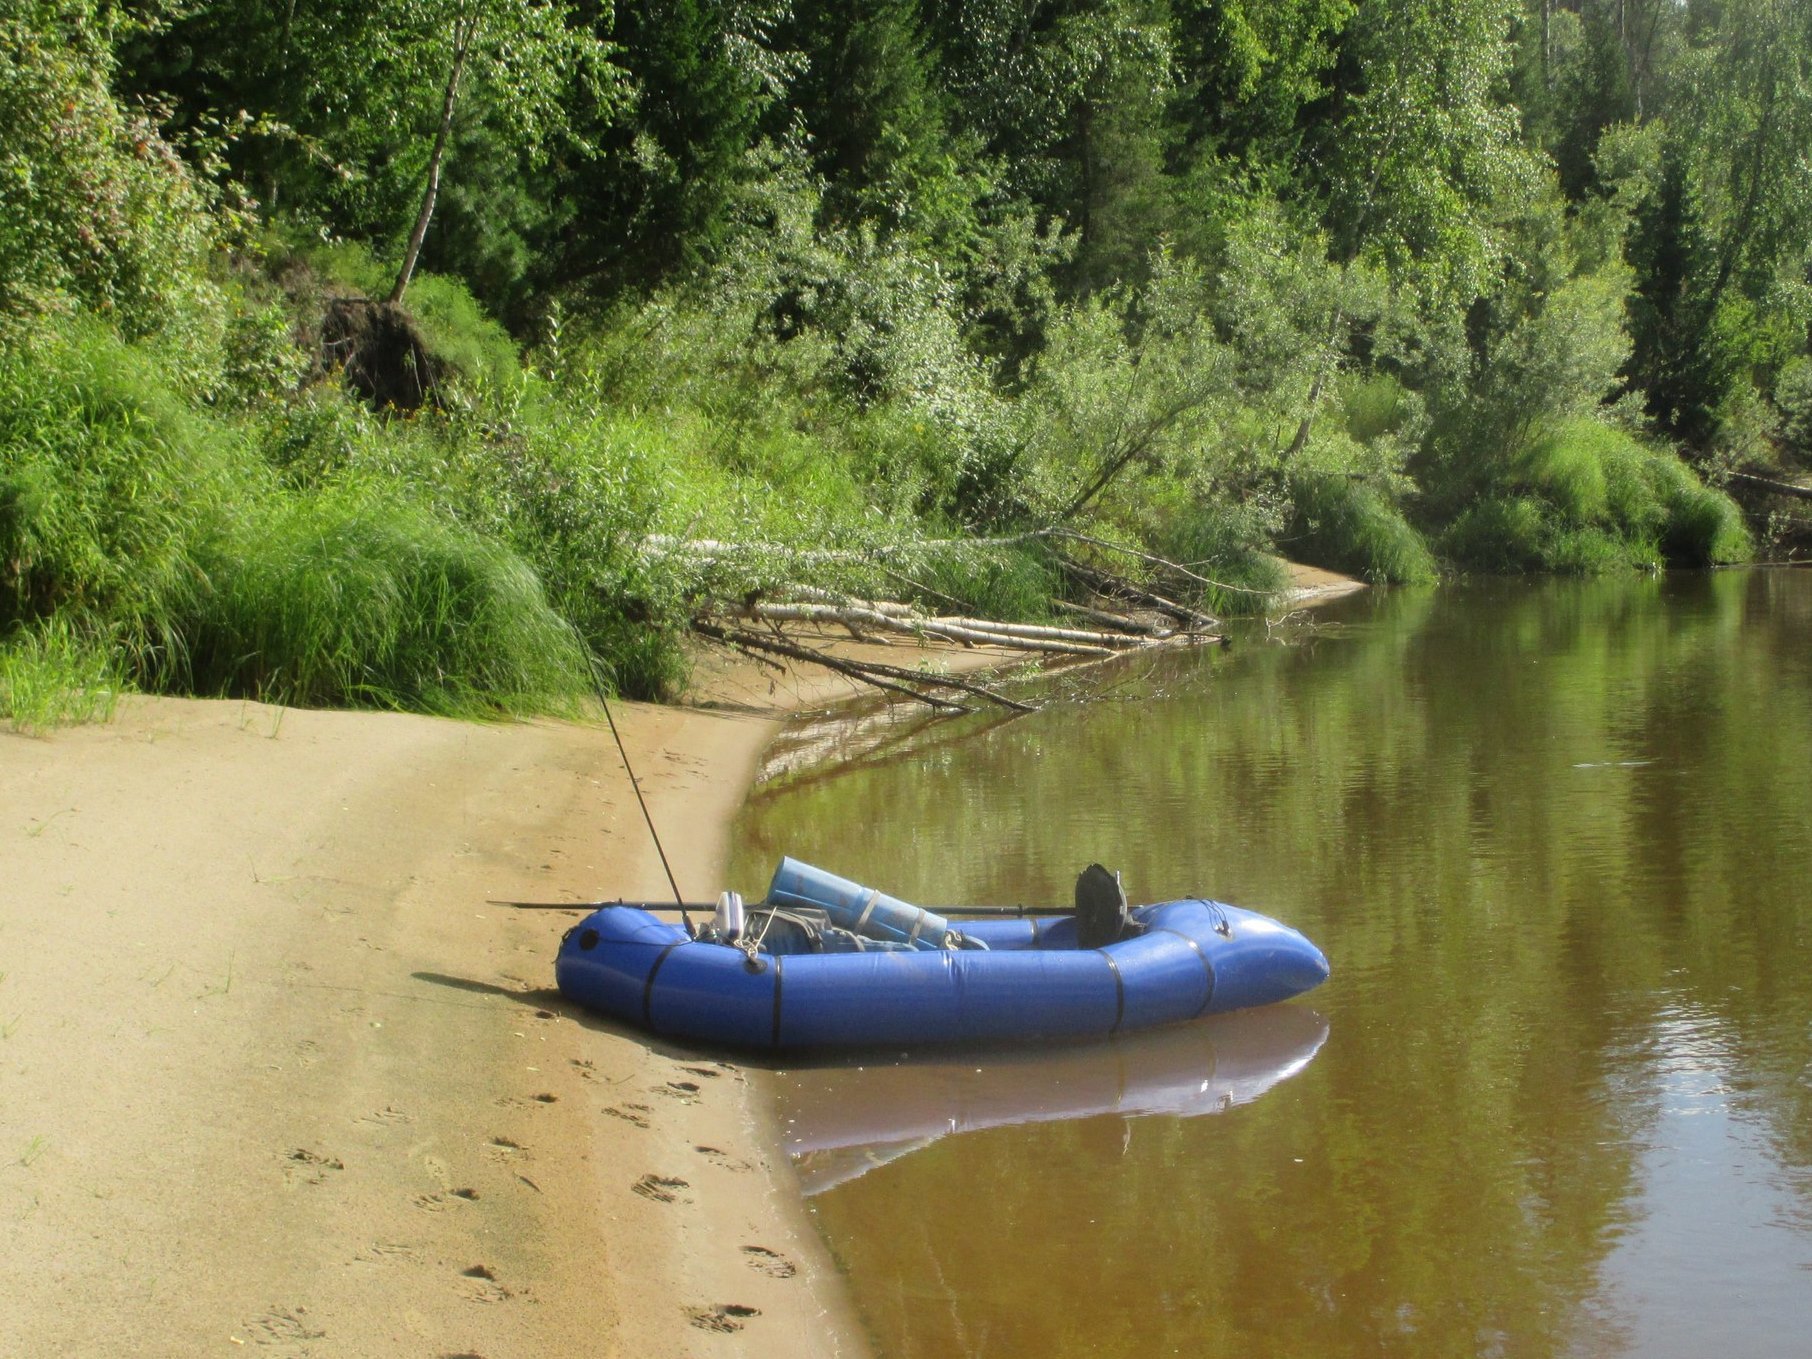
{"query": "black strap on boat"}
[(776, 1034), (1207, 967), (648, 982), (1119, 991)]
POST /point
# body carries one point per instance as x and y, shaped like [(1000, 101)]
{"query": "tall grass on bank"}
[(354, 595), (1588, 498), (130, 515), (110, 480), (1228, 544), (51, 676), (1346, 525)]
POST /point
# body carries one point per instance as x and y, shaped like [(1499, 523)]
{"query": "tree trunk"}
[(463, 32)]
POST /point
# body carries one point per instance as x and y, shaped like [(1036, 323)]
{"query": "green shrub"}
[(1587, 497), (1793, 398), (1498, 534), (1704, 527), (1377, 406), (1014, 583), (97, 207)]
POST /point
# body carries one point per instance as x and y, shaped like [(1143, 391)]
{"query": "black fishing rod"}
[(597, 683)]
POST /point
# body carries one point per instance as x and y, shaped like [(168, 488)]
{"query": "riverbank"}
[(274, 1073)]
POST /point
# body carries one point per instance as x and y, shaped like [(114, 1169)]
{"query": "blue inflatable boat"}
[(825, 962)]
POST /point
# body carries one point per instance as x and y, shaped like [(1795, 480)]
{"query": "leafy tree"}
[(518, 51), (1248, 70), (96, 208), (1071, 95), (659, 200), (1724, 223)]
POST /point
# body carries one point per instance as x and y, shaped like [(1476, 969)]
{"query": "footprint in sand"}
[(635, 1114), (284, 1326), (526, 1101), (662, 1189), (303, 1166), (709, 1073), (479, 1284), (506, 1150), (723, 1318), (387, 1252), (769, 1262), (684, 1091), (387, 1117), (439, 1203), (718, 1157)]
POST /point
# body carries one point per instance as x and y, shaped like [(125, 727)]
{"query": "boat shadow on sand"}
[(839, 1122)]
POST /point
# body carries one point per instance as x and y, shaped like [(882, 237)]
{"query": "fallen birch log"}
[(974, 633), (766, 641), (1123, 622), (869, 672), (1773, 486), (1106, 583)]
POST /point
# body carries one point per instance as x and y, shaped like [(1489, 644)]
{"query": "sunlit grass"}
[(52, 677)]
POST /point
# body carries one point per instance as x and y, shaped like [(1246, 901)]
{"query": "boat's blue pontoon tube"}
[(996, 979)]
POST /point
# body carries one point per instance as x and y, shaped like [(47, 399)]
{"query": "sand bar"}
[(273, 1074)]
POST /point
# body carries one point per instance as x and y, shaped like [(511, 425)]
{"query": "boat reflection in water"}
[(840, 1122)]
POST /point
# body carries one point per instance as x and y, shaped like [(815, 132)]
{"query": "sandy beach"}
[(274, 1074)]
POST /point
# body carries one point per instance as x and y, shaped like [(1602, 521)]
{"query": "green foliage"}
[(96, 210), (109, 484), (1793, 398), (355, 595), (1589, 498), (136, 520), (1207, 279), (1017, 582), (1346, 525), (51, 675), (1228, 544)]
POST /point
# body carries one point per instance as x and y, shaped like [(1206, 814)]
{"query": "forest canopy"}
[(358, 352)]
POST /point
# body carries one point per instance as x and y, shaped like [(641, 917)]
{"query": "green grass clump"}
[(110, 482), (1499, 533), (130, 515), (1605, 478), (1704, 526), (1228, 544), (1587, 498), (51, 676), (1011, 583), (354, 594), (1345, 525)]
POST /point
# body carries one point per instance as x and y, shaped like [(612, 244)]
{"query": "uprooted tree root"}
[(379, 353)]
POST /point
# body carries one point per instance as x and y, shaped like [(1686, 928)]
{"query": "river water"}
[(1555, 1100)]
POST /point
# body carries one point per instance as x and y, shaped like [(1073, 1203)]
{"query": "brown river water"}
[(1556, 1098)]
